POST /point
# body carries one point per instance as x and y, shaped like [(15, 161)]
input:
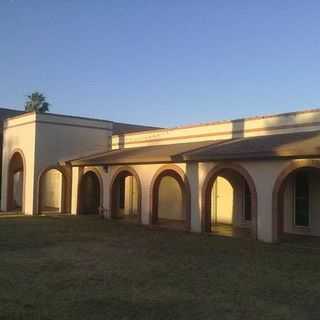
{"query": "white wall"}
[(248, 127), (51, 191), (19, 134), (45, 140), (146, 174), (60, 138), (131, 196), (170, 204), (222, 202), (18, 188)]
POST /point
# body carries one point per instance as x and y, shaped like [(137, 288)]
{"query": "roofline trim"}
[(250, 118), (271, 128)]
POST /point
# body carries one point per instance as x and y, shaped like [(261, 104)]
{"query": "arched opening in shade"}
[(298, 202), (126, 196), (89, 195), (16, 177)]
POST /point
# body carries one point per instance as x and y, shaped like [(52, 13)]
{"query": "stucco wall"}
[(45, 140), (131, 196), (51, 191), (19, 135), (263, 174), (170, 200), (18, 188), (64, 137), (146, 173), (222, 203), (249, 127)]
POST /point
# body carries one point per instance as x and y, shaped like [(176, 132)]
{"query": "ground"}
[(90, 268)]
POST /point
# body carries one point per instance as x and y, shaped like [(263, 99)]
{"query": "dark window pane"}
[(122, 192), (247, 203), (302, 199)]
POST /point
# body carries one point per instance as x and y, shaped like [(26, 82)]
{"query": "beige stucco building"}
[(257, 175)]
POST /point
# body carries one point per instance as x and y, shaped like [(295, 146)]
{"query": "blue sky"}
[(162, 62)]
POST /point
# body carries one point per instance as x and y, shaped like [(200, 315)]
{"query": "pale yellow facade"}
[(245, 193)]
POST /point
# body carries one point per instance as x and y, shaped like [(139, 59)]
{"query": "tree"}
[(36, 103)]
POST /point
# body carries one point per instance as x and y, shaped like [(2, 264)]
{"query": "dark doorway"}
[(15, 183), (125, 196), (89, 196)]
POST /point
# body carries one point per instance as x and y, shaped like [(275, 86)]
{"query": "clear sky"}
[(164, 62)]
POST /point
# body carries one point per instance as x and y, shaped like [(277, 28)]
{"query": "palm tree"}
[(36, 103)]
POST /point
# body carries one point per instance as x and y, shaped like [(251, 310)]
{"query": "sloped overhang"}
[(142, 155), (294, 145)]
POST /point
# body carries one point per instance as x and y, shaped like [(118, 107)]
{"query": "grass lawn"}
[(90, 268)]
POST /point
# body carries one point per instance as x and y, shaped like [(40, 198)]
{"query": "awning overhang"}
[(142, 155), (293, 145)]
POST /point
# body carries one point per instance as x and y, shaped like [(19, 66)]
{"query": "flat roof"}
[(118, 127)]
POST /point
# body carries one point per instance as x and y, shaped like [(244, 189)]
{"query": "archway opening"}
[(229, 205), (125, 197), (299, 203), (170, 200), (15, 183), (52, 192), (89, 196)]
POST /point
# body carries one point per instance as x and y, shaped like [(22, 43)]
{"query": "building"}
[(260, 174)]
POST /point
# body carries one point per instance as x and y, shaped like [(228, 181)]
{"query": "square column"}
[(192, 172), (76, 176)]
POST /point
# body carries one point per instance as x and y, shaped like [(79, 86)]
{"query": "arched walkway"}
[(125, 195), (229, 201), (296, 200), (170, 198), (52, 191), (90, 193), (16, 182)]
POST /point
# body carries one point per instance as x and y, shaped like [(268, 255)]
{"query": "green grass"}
[(90, 268)]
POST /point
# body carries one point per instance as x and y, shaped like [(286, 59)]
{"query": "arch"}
[(178, 174), (91, 179), (278, 188), (123, 172), (223, 170), (62, 208), (17, 163)]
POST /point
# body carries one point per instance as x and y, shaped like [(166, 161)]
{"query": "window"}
[(247, 202), (301, 216), (122, 183)]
